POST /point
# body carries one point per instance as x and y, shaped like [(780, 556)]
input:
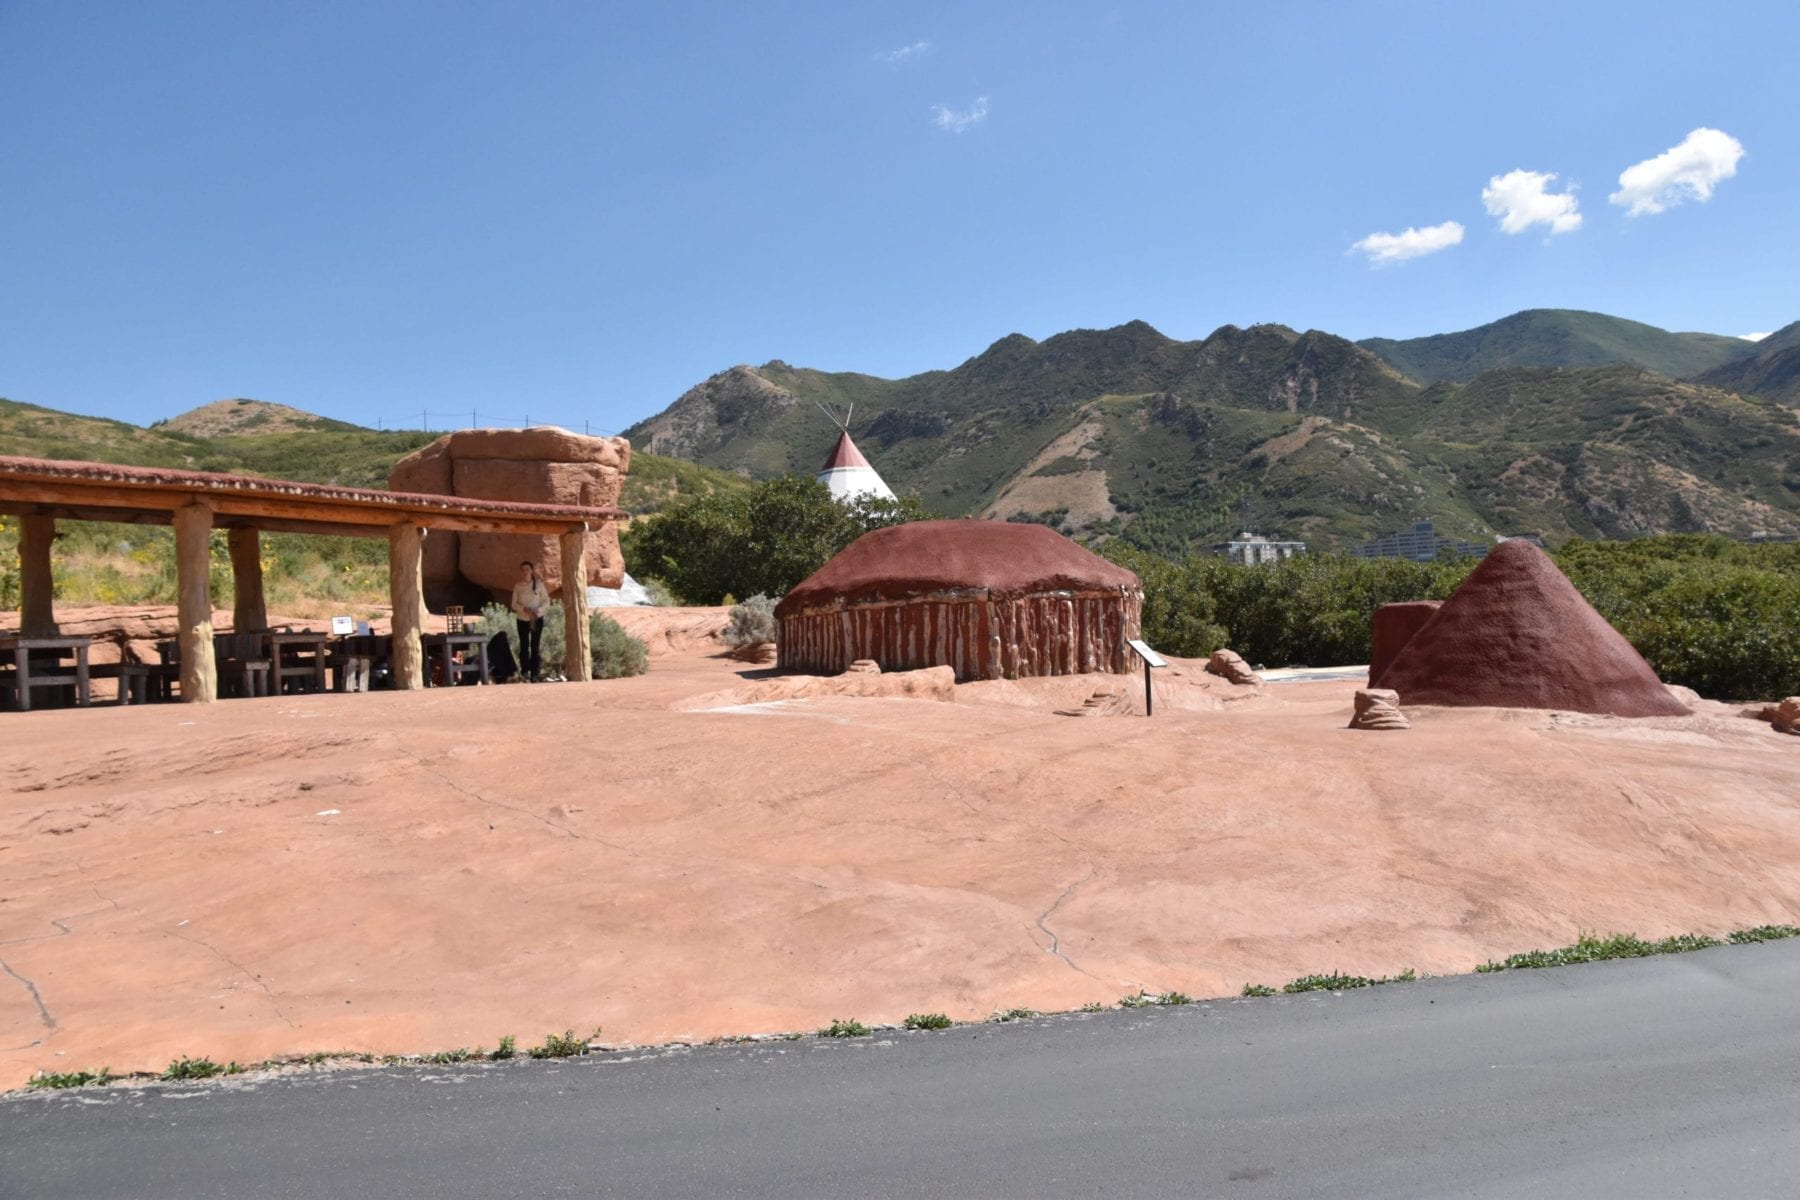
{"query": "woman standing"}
[(529, 600)]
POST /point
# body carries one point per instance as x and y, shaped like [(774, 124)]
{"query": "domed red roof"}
[(1004, 558)]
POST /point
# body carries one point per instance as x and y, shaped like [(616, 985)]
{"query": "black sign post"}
[(1152, 661)]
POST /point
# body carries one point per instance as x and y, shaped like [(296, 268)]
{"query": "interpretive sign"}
[(1151, 659)]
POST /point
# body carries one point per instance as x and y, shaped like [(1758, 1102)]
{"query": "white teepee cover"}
[(848, 474)]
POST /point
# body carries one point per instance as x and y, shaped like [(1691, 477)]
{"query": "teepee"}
[(1517, 634), (846, 472)]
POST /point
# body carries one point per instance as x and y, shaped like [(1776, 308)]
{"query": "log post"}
[(406, 552), (578, 660), (193, 579), (249, 613), (37, 612)]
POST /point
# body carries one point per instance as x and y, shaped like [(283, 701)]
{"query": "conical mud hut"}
[(989, 599), (1517, 634)]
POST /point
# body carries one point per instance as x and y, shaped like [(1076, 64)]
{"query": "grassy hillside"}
[(1125, 432), (1773, 373), (290, 444), (1555, 337)]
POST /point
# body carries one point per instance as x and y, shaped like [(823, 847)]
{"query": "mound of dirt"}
[(932, 683)]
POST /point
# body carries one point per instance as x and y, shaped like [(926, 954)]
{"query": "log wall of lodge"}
[(1054, 633)]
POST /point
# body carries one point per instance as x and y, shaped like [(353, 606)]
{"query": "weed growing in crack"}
[(70, 1079), (505, 1050), (197, 1068), (1143, 999), (563, 1045), (1174, 998), (1763, 933), (840, 1028), (927, 1021), (450, 1056), (1003, 1015), (1257, 989), (1590, 947), (1093, 1006)]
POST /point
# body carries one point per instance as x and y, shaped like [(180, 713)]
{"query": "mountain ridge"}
[(1126, 432)]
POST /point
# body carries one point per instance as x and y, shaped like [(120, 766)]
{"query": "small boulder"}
[(1378, 708), (1787, 716), (1230, 665)]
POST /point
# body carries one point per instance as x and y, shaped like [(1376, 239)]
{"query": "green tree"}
[(762, 540)]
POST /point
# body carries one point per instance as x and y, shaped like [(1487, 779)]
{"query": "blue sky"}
[(575, 211)]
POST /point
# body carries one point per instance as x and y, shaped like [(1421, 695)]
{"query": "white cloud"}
[(1398, 247), (1691, 169), (1522, 199), (952, 121), (902, 53), (1753, 337)]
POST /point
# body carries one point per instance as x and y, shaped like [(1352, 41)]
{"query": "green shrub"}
[(616, 653), (764, 539), (840, 1028), (506, 1049), (751, 623)]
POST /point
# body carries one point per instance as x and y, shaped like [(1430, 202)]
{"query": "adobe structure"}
[(989, 599), (541, 465), (1392, 626), (1517, 634)]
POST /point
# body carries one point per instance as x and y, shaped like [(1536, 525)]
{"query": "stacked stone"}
[(543, 465)]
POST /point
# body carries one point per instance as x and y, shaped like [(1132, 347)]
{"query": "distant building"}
[(1253, 549), (1771, 539), (1421, 543)]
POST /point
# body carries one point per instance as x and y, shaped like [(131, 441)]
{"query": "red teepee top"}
[(844, 454), (1517, 634)]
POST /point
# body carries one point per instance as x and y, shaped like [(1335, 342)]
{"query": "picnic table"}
[(447, 645), (22, 679), (299, 656), (354, 658)]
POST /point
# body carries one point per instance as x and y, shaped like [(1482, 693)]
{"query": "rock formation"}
[(1230, 665), (543, 465), (1378, 708), (1392, 626), (1517, 634), (1787, 716)]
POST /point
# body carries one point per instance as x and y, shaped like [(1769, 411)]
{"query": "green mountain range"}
[(1772, 372), (1172, 444), (1557, 337)]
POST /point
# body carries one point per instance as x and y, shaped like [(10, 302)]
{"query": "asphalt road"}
[(1675, 1076)]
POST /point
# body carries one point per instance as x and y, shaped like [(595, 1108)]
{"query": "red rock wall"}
[(543, 466), (1391, 628), (1055, 634)]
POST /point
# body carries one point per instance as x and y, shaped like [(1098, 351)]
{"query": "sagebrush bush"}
[(616, 653), (751, 623)]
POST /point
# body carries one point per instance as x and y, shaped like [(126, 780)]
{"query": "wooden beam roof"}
[(148, 495)]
